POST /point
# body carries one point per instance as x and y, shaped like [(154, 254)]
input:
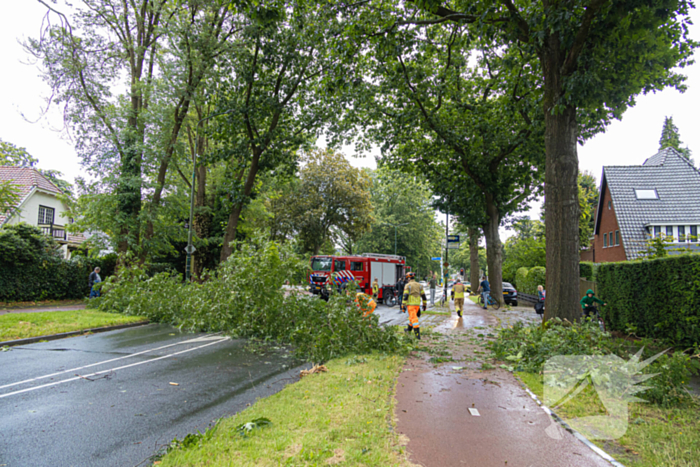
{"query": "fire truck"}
[(363, 269)]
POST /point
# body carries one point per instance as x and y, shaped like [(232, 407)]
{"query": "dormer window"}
[(646, 193)]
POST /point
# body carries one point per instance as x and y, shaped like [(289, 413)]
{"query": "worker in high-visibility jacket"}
[(412, 294), (458, 295), (375, 289), (365, 303)]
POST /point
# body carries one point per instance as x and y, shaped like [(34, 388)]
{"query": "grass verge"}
[(655, 436), (40, 304), (23, 325), (344, 416)]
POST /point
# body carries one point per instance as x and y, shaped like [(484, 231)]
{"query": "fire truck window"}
[(321, 264), (356, 265), (339, 265)]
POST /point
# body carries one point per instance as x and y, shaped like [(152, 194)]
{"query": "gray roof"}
[(677, 183)]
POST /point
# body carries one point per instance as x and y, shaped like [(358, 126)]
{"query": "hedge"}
[(535, 276), (520, 278), (657, 298), (588, 270), (32, 268)]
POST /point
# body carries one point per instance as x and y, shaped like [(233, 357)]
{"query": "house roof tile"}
[(25, 178), (677, 183)]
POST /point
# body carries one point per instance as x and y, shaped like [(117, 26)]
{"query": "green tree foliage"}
[(330, 201), (403, 201), (671, 138), (9, 196), (19, 157), (525, 249), (594, 57), (588, 195)]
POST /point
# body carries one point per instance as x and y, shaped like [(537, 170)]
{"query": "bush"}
[(587, 270), (245, 298), (32, 267), (527, 348), (535, 276), (520, 278), (657, 298)]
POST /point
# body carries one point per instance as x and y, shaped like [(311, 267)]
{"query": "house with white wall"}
[(39, 206)]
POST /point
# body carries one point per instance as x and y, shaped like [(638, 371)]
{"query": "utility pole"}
[(447, 250)]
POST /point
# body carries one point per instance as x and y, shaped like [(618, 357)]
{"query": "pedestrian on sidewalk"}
[(539, 306), (94, 279), (412, 295), (458, 295), (433, 285), (485, 290)]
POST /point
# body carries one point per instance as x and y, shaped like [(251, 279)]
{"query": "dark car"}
[(510, 295)]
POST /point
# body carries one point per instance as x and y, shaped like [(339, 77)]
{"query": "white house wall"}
[(29, 211)]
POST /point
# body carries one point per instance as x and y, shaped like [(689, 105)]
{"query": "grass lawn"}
[(23, 325), (344, 416), (655, 436)]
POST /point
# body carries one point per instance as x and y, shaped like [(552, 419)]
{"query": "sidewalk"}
[(433, 403)]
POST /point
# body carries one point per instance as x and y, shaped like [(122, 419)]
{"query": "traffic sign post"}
[(453, 242)]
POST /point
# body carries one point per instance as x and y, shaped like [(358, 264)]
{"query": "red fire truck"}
[(387, 269)]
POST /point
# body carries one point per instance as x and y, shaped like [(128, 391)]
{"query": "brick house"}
[(661, 196), (39, 206)]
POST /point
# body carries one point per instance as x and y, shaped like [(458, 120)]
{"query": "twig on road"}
[(107, 376)]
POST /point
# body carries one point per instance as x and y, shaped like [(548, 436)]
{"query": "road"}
[(392, 316), (107, 399)]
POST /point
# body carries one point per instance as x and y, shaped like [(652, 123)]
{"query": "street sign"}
[(446, 264), (453, 242), (436, 259), (189, 249)]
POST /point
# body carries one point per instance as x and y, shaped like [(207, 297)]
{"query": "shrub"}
[(535, 276), (657, 298), (527, 348), (587, 270), (32, 267), (520, 278), (245, 298)]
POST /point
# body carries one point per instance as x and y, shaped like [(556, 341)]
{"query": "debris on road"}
[(314, 369), (174, 384)]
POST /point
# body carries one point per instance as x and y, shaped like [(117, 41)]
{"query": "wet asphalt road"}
[(122, 408)]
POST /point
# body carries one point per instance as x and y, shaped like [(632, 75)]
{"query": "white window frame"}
[(42, 218), (646, 193), (693, 236), (617, 238)]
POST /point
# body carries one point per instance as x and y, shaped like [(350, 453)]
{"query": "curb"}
[(53, 337), (604, 455)]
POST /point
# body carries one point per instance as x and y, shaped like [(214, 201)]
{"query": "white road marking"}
[(56, 383), (188, 341)]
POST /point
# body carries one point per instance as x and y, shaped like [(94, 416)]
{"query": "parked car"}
[(510, 295)]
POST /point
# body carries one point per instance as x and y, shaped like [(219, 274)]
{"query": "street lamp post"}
[(395, 226), (190, 248)]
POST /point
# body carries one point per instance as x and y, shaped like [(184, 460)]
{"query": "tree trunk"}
[(234, 217), (561, 191), (474, 258), (202, 220), (494, 249)]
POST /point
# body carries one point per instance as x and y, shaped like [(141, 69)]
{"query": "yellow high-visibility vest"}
[(412, 293), (459, 290)]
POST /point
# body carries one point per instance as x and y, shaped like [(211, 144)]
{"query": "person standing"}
[(399, 293), (485, 290), (433, 286), (93, 279), (458, 295), (412, 295), (365, 304), (375, 289), (539, 306)]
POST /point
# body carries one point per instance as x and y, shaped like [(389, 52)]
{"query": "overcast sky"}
[(22, 95)]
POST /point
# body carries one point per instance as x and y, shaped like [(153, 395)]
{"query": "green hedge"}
[(588, 270), (535, 276), (657, 298), (32, 268), (520, 278)]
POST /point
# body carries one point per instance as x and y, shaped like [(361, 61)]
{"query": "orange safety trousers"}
[(372, 305), (413, 315)]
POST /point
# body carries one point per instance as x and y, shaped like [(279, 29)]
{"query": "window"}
[(693, 233), (657, 230), (605, 240), (340, 265), (45, 215), (321, 264), (617, 237), (669, 231), (681, 233), (610, 239), (356, 265), (609, 204), (646, 193)]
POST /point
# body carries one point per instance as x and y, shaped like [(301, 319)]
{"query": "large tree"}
[(594, 57), (671, 138), (476, 132)]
